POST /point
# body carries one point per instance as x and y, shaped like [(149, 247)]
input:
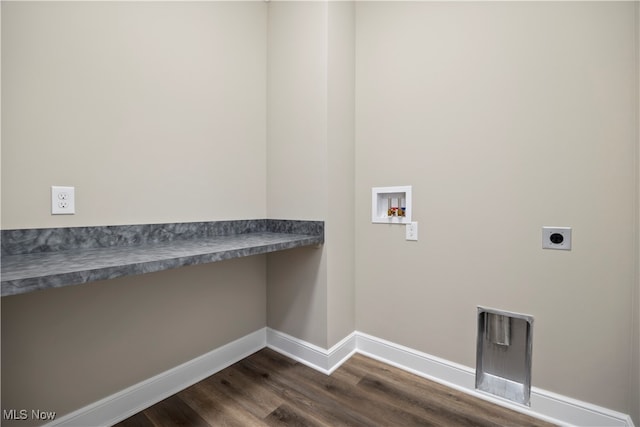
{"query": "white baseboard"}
[(318, 358), (545, 405), (134, 399)]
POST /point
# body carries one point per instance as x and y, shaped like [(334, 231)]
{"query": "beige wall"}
[(154, 111), (63, 349), (310, 134), (297, 110), (133, 103), (341, 165), (504, 117), (297, 163), (635, 373)]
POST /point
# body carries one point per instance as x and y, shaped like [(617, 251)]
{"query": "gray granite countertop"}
[(38, 269)]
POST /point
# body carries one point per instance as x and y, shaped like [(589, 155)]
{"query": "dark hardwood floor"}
[(267, 389)]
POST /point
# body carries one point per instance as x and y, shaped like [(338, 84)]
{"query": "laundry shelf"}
[(126, 253)]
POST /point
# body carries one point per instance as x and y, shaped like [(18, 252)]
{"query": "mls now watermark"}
[(25, 414)]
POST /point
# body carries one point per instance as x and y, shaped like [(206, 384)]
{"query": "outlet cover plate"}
[(63, 200), (556, 238), (412, 230)]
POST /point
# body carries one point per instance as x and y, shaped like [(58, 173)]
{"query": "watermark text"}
[(28, 414)]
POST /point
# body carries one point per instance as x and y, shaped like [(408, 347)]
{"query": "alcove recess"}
[(391, 205)]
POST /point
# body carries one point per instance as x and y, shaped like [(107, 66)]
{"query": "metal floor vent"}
[(503, 354)]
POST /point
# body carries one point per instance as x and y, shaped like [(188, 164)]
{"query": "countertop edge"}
[(81, 275)]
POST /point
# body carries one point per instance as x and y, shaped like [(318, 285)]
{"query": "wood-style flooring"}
[(268, 389)]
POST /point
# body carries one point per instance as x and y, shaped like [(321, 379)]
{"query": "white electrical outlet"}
[(556, 238), (412, 231), (63, 200)]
